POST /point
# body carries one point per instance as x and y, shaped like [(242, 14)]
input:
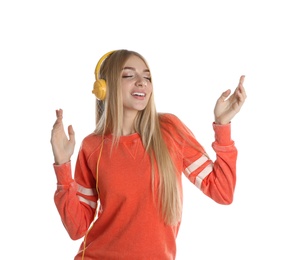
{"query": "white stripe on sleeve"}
[(202, 175), (92, 204), (85, 191), (195, 165)]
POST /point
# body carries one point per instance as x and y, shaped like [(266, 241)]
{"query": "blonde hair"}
[(109, 119)]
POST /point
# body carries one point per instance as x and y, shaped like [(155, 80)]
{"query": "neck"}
[(127, 132), (128, 123)]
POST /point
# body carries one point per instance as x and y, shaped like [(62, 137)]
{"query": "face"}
[(136, 84)]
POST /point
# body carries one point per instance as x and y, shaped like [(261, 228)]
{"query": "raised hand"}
[(227, 106), (62, 146)]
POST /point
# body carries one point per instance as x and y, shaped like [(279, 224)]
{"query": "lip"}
[(138, 94)]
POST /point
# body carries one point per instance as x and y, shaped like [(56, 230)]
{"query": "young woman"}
[(131, 166)]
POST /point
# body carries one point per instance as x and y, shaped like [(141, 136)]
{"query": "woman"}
[(133, 162)]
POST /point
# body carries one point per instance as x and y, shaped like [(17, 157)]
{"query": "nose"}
[(141, 82)]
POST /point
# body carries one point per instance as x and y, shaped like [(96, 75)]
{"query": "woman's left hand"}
[(227, 106)]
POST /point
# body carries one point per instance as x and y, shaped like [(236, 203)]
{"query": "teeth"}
[(138, 94)]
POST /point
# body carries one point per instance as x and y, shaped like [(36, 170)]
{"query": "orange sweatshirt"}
[(129, 225)]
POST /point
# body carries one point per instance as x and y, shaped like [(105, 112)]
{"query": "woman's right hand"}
[(62, 146)]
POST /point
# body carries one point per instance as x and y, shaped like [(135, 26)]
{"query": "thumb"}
[(224, 95), (71, 133)]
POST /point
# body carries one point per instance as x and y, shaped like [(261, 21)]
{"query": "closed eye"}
[(131, 76), (148, 78)]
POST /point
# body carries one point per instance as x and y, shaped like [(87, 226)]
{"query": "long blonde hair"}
[(109, 119)]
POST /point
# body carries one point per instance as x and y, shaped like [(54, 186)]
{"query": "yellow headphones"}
[(99, 86)]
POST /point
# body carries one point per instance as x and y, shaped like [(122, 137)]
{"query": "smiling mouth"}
[(138, 94)]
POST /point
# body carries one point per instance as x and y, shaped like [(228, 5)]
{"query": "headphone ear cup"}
[(99, 89)]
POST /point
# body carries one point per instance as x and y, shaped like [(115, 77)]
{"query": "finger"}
[(242, 94), (240, 87), (59, 116), (241, 80), (59, 113), (242, 91)]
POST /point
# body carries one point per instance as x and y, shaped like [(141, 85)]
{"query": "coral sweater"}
[(129, 225)]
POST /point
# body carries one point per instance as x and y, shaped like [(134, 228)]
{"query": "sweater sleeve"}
[(76, 203), (216, 179)]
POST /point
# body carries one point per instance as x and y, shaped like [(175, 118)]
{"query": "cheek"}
[(124, 89), (125, 94)]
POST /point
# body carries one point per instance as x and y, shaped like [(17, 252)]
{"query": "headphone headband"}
[(98, 66), (99, 86)]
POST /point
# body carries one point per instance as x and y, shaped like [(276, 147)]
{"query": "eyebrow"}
[(132, 68)]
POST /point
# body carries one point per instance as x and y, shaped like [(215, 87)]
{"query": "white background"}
[(196, 50)]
